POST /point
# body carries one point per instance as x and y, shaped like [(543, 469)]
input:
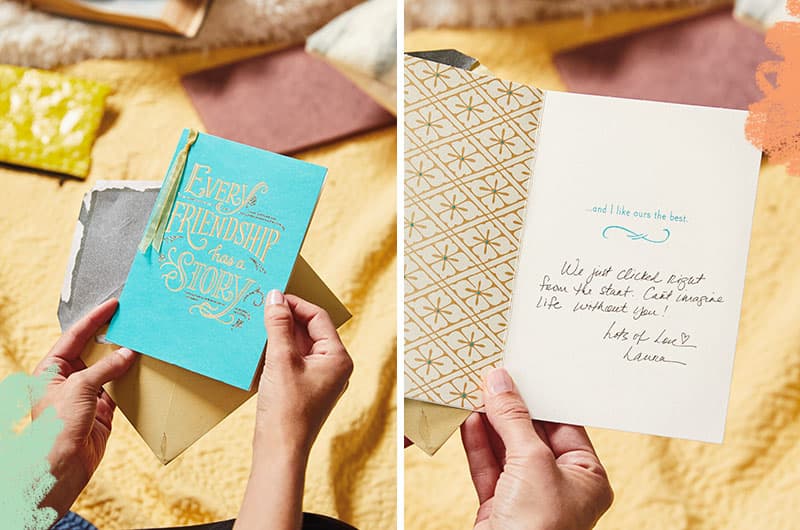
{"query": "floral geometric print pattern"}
[(469, 149)]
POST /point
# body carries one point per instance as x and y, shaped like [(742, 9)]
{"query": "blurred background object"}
[(762, 14), (258, 101), (32, 38), (362, 44), (182, 17), (705, 60), (500, 13), (341, 83), (49, 121)]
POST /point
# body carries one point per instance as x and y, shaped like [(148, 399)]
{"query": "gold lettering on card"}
[(212, 216)]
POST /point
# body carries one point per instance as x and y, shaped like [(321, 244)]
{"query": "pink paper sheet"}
[(284, 101), (706, 60)]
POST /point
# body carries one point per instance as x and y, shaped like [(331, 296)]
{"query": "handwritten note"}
[(628, 288), (633, 300)]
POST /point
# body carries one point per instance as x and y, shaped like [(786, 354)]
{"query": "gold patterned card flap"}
[(49, 121), (469, 149)]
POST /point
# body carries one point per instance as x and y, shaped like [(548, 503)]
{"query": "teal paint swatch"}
[(233, 234), (25, 477)]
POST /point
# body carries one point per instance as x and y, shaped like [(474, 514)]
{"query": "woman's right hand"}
[(306, 370), (531, 474)]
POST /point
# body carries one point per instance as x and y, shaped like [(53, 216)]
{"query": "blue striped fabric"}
[(73, 521)]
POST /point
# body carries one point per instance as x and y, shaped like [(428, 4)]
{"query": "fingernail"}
[(274, 297), (498, 381), (126, 353)]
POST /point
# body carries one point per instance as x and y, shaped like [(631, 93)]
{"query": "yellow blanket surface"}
[(750, 481), (351, 244)]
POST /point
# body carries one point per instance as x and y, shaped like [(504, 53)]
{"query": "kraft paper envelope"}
[(429, 425), (621, 255), (112, 219)]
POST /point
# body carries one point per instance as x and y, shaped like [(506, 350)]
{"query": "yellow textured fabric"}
[(749, 482), (48, 120), (351, 244)]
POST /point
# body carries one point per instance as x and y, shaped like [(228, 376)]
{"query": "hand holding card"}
[(594, 246), (112, 219), (226, 228)]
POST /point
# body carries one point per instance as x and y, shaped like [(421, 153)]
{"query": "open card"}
[(594, 246)]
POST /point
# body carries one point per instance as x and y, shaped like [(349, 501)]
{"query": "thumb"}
[(279, 322), (108, 368), (508, 414)]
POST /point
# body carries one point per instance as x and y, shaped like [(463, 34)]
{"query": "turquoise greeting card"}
[(226, 229)]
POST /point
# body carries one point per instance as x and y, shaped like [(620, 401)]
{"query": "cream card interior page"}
[(629, 282)]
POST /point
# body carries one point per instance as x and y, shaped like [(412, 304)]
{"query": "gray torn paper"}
[(110, 224)]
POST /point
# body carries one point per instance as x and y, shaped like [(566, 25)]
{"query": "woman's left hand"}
[(77, 394)]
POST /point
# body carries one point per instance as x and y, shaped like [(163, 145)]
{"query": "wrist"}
[(70, 480), (287, 450), (279, 468), (290, 439)]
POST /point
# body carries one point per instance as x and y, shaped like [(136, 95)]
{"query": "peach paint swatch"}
[(773, 123)]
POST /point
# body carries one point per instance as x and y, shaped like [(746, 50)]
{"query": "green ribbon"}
[(154, 233)]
